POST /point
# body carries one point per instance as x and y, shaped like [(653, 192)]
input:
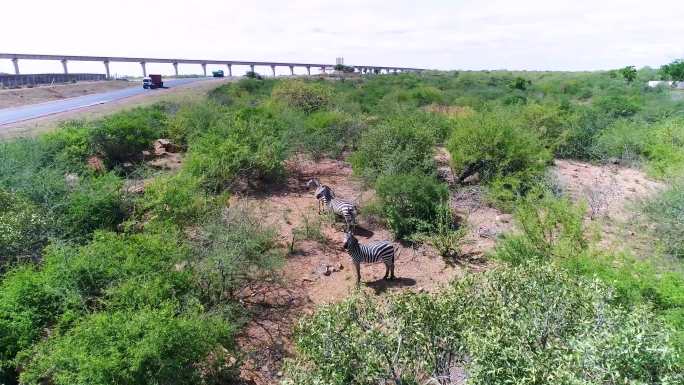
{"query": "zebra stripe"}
[(372, 252), (343, 208)]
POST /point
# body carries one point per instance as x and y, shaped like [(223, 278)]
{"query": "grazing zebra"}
[(370, 253), (343, 208), (319, 189)]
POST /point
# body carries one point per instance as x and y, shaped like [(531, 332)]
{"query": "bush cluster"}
[(525, 324)]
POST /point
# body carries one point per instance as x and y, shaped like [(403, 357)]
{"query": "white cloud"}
[(524, 34)]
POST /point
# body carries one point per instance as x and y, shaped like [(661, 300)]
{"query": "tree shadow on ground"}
[(381, 285)]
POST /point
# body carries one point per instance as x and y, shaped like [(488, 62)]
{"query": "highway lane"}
[(32, 111)]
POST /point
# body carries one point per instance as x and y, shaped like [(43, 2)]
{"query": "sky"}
[(434, 34)]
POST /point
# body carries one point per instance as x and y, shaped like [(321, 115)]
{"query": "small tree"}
[(629, 73), (673, 71)]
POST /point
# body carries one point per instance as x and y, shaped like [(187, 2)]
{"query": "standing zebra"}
[(340, 207), (370, 253), (319, 189)]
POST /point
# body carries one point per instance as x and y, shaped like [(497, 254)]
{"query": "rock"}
[(279, 374), (446, 174), (162, 146), (472, 179), (146, 153), (71, 180)]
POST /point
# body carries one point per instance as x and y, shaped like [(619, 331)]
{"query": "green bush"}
[(129, 347), (398, 146), (505, 153), (324, 133), (68, 146), (410, 203), (246, 146), (124, 135), (193, 119), (179, 198), (667, 214), (524, 325), (301, 95), (618, 105), (95, 203), (549, 227), (23, 229), (27, 305), (665, 149), (424, 95), (624, 140), (232, 250)]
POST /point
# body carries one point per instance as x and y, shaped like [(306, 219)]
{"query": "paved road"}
[(18, 114)]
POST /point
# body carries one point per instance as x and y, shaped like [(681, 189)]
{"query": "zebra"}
[(319, 189), (370, 253), (341, 207)]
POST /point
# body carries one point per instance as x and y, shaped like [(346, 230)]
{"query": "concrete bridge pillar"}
[(175, 68), (252, 67), (15, 61), (273, 70), (323, 69), (106, 64), (291, 70), (144, 69), (230, 70), (204, 69), (64, 65), (308, 70)]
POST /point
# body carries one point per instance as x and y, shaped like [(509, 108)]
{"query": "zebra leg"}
[(357, 266), (387, 271), (392, 271)]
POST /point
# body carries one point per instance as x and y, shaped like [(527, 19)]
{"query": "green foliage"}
[(447, 236), (96, 203), (410, 203), (673, 71), (398, 146), (618, 105), (324, 133), (665, 148), (246, 146), (193, 119), (179, 198), (624, 140), (523, 325), (302, 95), (520, 83), (124, 135), (629, 73), (146, 346), (23, 228), (667, 214), (253, 75), (424, 95), (69, 145), (231, 250), (550, 228), (503, 151)]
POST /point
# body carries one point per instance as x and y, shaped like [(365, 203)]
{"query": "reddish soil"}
[(319, 271)]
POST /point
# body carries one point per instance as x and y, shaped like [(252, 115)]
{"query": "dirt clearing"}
[(318, 271), (46, 93)]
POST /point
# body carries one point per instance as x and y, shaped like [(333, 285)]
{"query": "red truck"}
[(152, 82)]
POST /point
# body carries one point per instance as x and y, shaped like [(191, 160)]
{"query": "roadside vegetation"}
[(104, 284)]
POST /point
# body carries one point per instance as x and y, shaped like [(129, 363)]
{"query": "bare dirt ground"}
[(319, 271), (185, 92), (613, 195), (46, 93)]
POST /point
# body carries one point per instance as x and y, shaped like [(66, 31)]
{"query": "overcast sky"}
[(441, 34)]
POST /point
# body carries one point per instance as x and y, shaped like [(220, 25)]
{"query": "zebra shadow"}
[(381, 285), (362, 232)]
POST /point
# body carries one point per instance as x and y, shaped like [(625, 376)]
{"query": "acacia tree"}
[(673, 71)]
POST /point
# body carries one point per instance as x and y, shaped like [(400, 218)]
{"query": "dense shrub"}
[(179, 198), (550, 228), (122, 136), (68, 146), (246, 146), (521, 325), (624, 140), (305, 96), (193, 119), (324, 133), (410, 203), (23, 228), (398, 146), (129, 347), (665, 148), (95, 203), (505, 153), (231, 250), (667, 214)]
